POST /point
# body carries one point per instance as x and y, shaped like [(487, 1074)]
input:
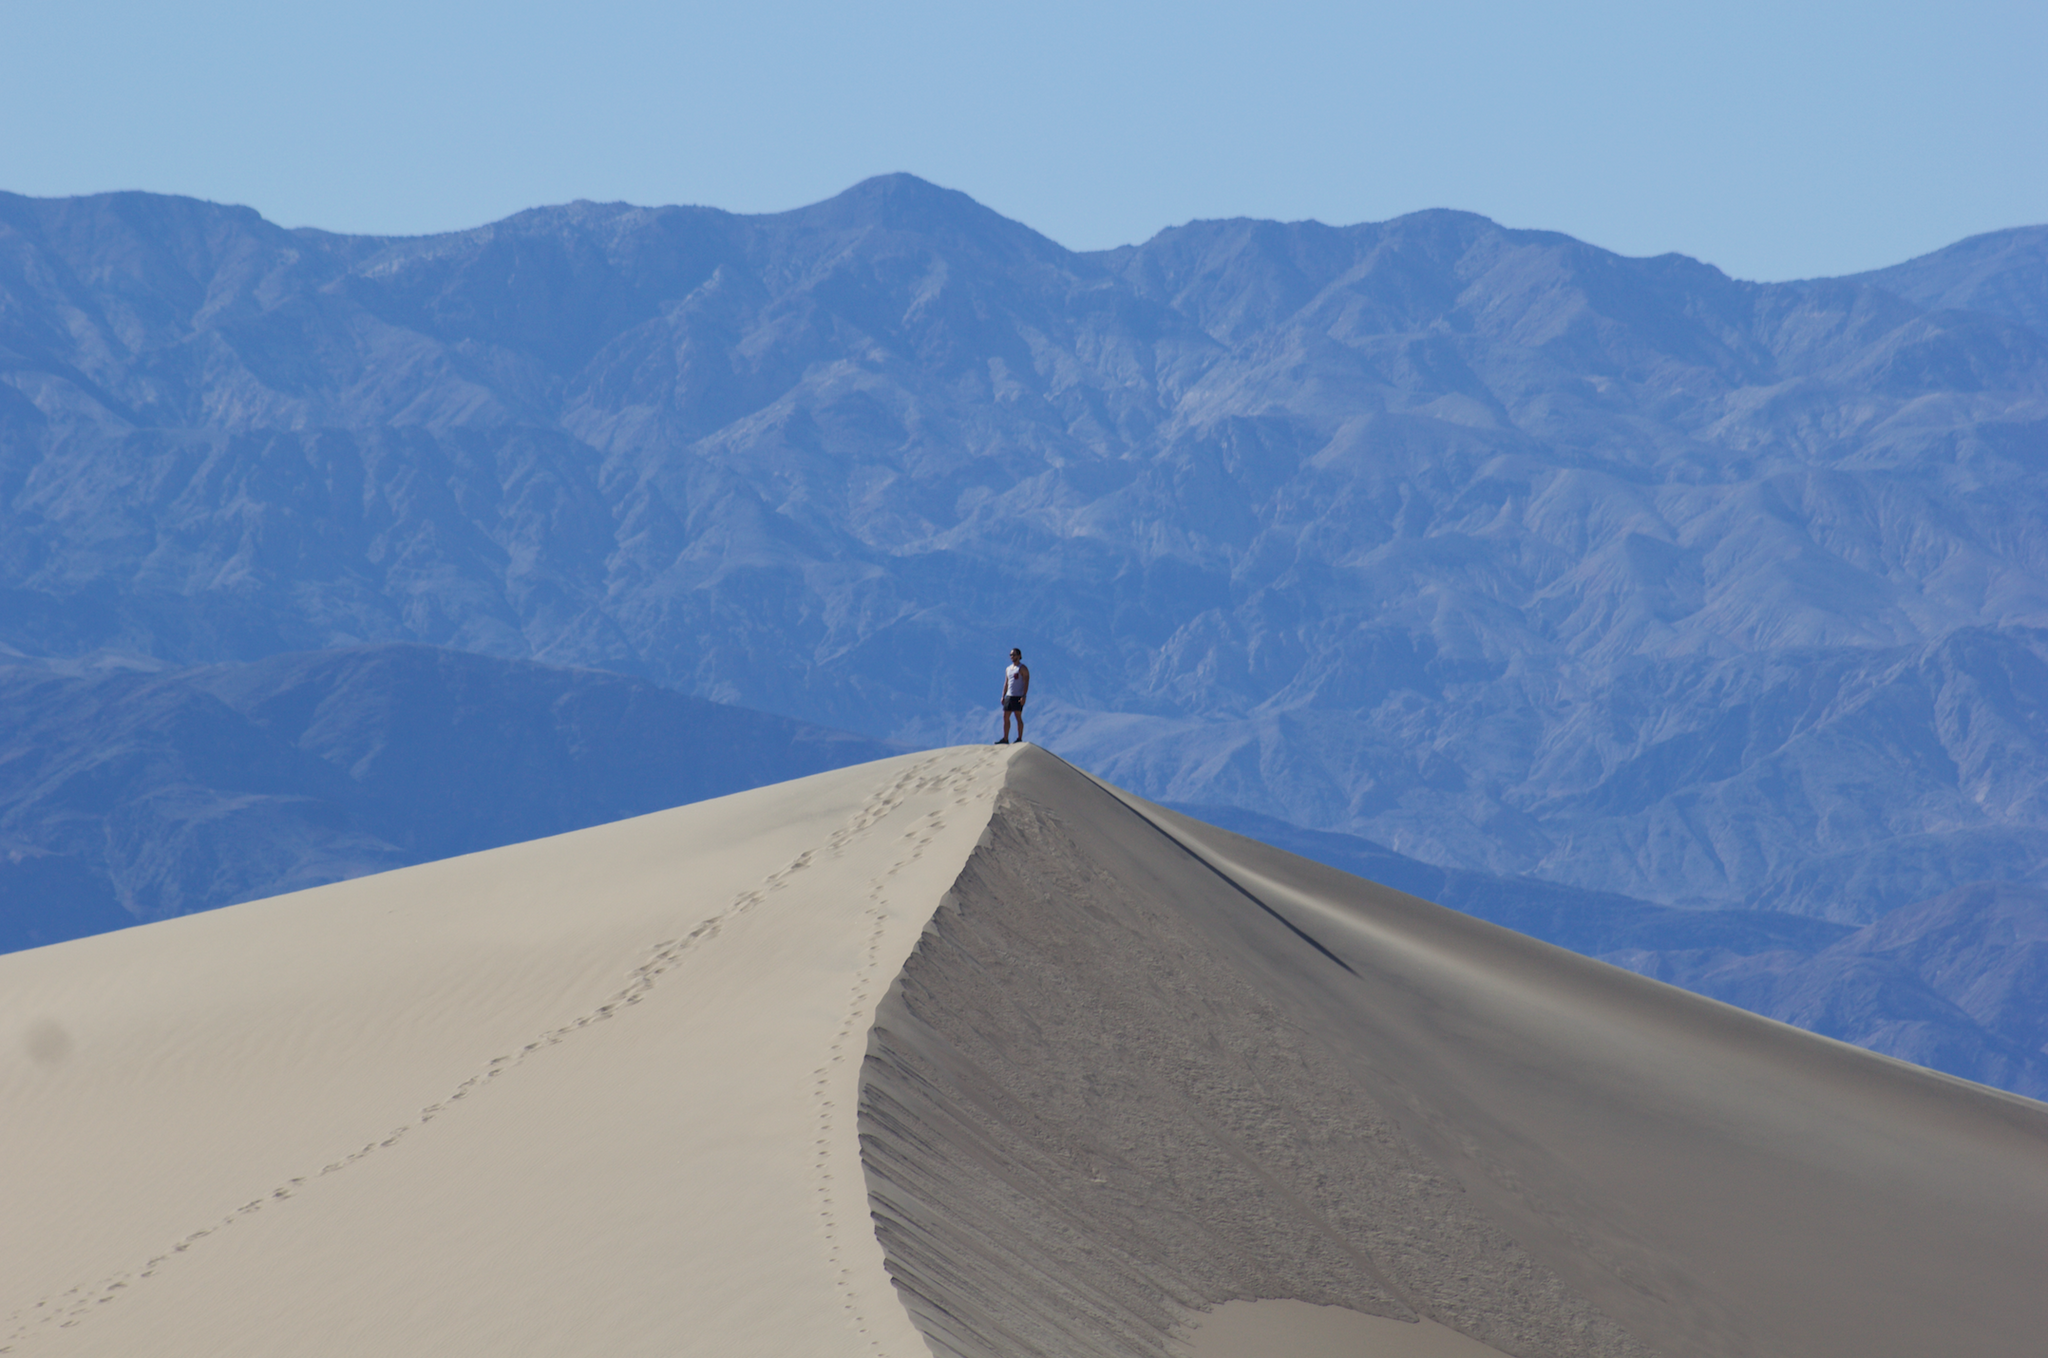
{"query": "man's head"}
[(1016, 654)]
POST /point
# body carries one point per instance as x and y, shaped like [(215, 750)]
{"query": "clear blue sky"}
[(1776, 140)]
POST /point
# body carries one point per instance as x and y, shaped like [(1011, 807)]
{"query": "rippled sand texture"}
[(1138, 1068)]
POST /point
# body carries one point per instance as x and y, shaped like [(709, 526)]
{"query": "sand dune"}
[(589, 1095), (961, 1053)]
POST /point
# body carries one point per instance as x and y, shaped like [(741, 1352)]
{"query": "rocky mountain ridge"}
[(1501, 550)]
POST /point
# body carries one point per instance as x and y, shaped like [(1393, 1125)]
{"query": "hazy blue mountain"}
[(1836, 782), (2004, 273), (1509, 553), (129, 797)]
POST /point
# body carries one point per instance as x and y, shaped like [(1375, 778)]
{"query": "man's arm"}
[(1024, 673)]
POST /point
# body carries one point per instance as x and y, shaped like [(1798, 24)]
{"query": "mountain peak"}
[(904, 202), (2004, 273)]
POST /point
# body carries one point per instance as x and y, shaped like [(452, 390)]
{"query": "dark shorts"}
[(1013, 704)]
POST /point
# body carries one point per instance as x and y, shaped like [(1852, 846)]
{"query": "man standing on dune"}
[(1016, 683)]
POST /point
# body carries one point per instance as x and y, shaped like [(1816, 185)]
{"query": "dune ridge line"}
[(949, 775)]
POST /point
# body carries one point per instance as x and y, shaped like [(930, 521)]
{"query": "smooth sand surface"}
[(588, 1095)]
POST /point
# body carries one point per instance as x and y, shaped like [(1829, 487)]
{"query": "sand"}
[(1295, 1329), (1140, 1068), (589, 1095), (967, 1054)]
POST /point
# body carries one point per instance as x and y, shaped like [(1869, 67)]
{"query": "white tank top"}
[(1013, 682)]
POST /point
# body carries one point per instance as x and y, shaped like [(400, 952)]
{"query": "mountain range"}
[(130, 797), (1506, 554)]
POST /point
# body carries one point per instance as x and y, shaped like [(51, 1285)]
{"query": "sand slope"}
[(1139, 1068), (963, 1053), (587, 1095)]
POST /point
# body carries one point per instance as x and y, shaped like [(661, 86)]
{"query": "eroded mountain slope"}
[(1503, 550)]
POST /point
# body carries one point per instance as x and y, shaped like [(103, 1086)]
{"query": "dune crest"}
[(970, 1054), (589, 1094)]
